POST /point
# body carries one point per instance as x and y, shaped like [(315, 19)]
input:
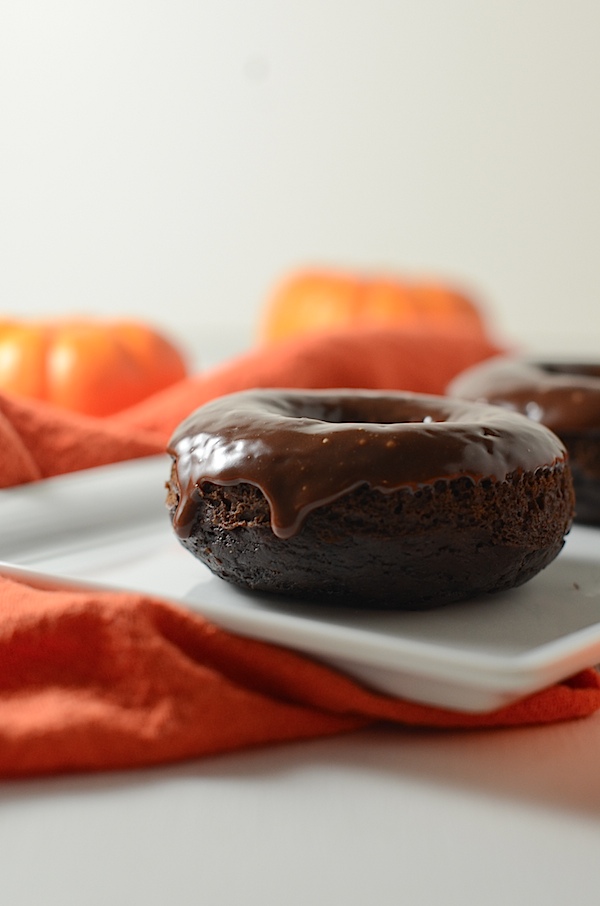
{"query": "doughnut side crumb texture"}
[(404, 549)]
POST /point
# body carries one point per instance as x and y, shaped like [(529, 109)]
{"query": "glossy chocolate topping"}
[(304, 449), (563, 396)]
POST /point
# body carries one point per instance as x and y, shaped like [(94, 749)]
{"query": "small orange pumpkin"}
[(88, 366), (319, 300)]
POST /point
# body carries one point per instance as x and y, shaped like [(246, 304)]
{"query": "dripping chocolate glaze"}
[(304, 449), (564, 396)]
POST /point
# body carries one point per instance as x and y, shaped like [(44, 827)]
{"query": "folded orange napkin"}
[(99, 680), (376, 358), (92, 681), (38, 440)]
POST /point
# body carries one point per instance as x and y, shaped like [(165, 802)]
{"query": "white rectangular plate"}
[(110, 526)]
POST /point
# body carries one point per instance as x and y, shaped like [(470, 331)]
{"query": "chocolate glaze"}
[(563, 396), (304, 449)]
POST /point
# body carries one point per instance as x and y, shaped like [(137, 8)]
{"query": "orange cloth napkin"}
[(92, 681), (38, 440), (99, 680)]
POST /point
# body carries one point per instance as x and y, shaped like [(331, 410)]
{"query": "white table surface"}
[(379, 817)]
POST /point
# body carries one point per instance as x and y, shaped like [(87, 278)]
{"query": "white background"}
[(171, 160)]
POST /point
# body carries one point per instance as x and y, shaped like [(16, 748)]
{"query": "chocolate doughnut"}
[(564, 396), (369, 499)]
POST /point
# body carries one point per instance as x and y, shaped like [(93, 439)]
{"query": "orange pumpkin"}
[(326, 300), (87, 366)]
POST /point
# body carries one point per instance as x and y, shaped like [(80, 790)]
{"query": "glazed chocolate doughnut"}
[(369, 499), (564, 396)]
